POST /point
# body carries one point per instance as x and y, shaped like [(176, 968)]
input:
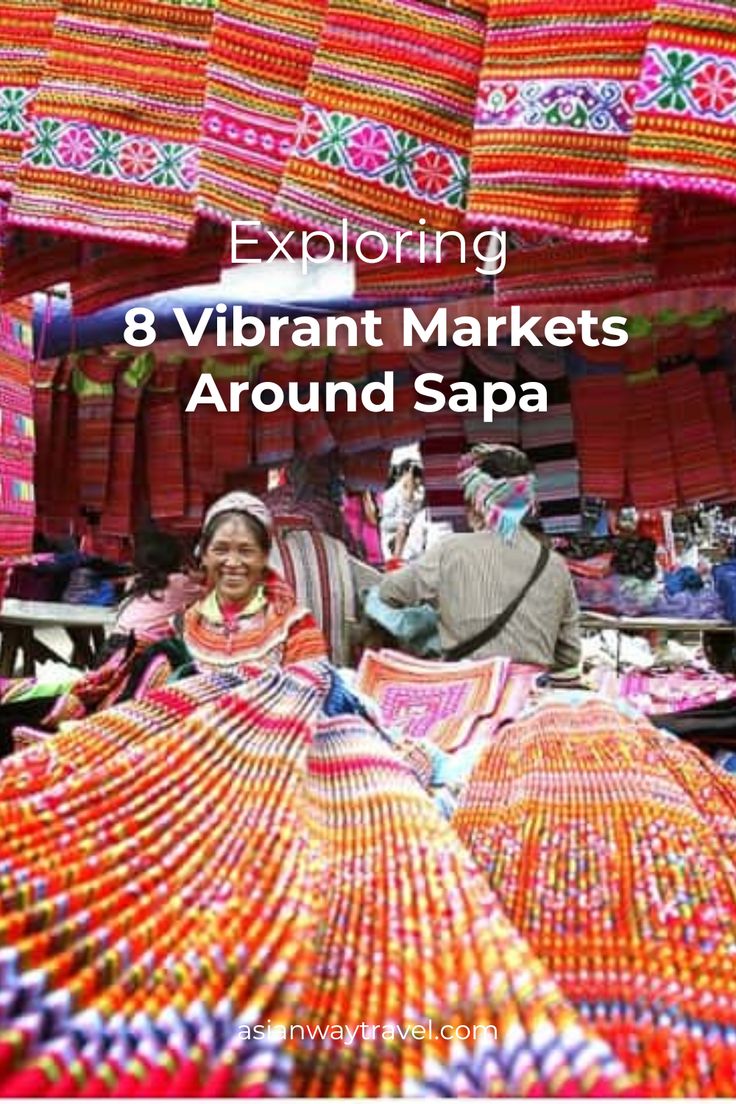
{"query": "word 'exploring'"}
[(338, 396)]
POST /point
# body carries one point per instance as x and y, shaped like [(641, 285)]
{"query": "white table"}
[(19, 620)]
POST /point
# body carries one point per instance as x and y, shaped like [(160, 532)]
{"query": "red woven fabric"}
[(164, 444), (599, 415)]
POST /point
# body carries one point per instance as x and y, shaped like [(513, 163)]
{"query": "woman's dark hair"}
[(257, 529), (156, 555), (504, 463), (401, 469)]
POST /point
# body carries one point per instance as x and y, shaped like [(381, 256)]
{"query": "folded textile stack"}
[(232, 861)]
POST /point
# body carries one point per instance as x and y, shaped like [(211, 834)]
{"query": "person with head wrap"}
[(472, 579), (248, 614)]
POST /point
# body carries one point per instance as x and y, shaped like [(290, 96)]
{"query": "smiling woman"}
[(250, 613)]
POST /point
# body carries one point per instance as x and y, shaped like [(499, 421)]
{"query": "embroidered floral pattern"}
[(684, 83), (80, 148), (372, 151), (593, 105), (12, 109)]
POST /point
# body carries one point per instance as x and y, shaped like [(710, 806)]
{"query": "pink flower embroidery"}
[(650, 80), (432, 172), (714, 88), (137, 158), (76, 148), (309, 130), (369, 149)]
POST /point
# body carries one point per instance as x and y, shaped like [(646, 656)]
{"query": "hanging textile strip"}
[(685, 133), (599, 413), (724, 423), (230, 432), (386, 124), (25, 32), (164, 443), (440, 702), (64, 475), (366, 471), (108, 274), (650, 452), (258, 63), (404, 425), (554, 117), (273, 437), (43, 396), (203, 479), (612, 848), (93, 380), (113, 148), (354, 430), (312, 434), (130, 380), (698, 461)]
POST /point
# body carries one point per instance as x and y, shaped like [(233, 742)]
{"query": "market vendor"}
[(249, 614), (497, 590)]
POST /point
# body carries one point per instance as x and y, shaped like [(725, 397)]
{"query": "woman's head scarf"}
[(242, 502), (502, 503)]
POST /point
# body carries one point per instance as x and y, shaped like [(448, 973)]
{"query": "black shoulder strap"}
[(467, 647)]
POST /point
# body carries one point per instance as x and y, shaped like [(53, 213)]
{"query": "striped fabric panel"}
[(563, 271), (112, 151), (22, 57), (650, 462), (94, 383), (554, 116), (257, 68), (387, 118), (685, 133), (697, 458), (109, 273), (164, 444)]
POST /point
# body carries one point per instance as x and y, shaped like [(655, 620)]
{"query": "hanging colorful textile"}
[(553, 119), (113, 146), (355, 430), (599, 414), (23, 56), (257, 68), (724, 424), (697, 458), (685, 133), (274, 429), (64, 478), (650, 450), (168, 931), (93, 379), (130, 380), (164, 444), (110, 273), (385, 131), (42, 375), (612, 847), (312, 434)]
